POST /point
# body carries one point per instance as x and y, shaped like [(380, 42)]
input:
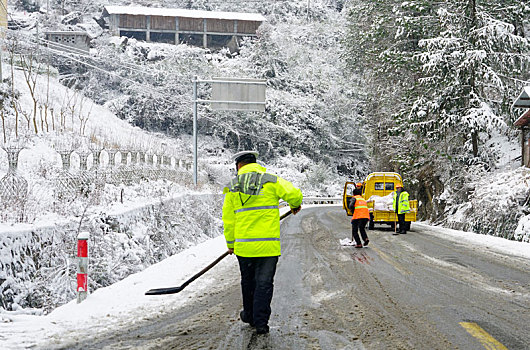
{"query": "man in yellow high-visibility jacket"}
[(251, 222), (401, 207)]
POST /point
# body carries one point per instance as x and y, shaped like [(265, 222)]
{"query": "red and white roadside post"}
[(82, 266)]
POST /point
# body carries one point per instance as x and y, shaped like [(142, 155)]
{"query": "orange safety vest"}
[(361, 209)]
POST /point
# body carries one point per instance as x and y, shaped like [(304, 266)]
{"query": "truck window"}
[(379, 186), (389, 186)]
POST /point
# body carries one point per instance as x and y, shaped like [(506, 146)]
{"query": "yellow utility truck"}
[(378, 189)]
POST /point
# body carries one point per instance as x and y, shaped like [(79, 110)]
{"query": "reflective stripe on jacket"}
[(252, 222), (360, 209), (403, 205)]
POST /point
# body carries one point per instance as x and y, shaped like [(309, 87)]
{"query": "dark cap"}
[(245, 156)]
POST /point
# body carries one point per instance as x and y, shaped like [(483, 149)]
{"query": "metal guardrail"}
[(317, 200)]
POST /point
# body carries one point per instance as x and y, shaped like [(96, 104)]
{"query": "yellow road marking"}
[(483, 337), (390, 261)]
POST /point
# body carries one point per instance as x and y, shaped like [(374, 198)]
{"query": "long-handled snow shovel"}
[(173, 290), (395, 225)]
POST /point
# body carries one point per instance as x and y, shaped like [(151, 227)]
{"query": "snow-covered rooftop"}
[(169, 12), (523, 120), (524, 98)]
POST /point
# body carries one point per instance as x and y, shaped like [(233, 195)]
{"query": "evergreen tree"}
[(436, 76), (380, 46), (468, 74)]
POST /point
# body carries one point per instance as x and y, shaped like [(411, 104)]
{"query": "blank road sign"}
[(238, 94)]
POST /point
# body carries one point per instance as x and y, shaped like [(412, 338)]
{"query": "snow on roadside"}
[(497, 207), (120, 303), (498, 244)]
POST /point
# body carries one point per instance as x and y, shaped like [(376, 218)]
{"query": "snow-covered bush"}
[(498, 206), (38, 265), (522, 232)]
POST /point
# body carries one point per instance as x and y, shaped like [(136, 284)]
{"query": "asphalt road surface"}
[(414, 291)]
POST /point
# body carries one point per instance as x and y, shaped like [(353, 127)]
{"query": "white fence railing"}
[(317, 200)]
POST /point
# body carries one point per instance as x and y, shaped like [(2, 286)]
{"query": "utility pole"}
[(1, 48), (3, 32)]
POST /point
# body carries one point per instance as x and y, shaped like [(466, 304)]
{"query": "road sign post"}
[(228, 94), (195, 130)]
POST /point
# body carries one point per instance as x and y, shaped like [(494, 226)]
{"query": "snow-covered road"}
[(415, 291)]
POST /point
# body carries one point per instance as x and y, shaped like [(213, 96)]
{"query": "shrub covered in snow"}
[(498, 206), (38, 265)]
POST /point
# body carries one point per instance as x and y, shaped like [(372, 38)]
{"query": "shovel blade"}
[(161, 291)]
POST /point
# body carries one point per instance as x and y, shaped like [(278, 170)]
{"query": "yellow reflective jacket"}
[(252, 222), (403, 206)]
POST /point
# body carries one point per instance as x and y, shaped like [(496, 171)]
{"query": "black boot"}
[(262, 329), (246, 319)]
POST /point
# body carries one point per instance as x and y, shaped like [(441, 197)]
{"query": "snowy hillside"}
[(498, 207), (133, 223), (312, 107)]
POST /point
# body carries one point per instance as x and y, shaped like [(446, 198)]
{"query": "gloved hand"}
[(296, 210)]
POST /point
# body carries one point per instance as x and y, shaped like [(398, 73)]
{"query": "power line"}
[(69, 50), (83, 53), (150, 87), (83, 59)]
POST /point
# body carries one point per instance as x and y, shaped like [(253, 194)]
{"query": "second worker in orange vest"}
[(360, 218)]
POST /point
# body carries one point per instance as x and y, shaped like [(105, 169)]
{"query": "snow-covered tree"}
[(469, 74), (437, 77), (380, 46)]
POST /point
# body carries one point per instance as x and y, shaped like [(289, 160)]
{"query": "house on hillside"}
[(68, 41), (208, 29), (523, 101)]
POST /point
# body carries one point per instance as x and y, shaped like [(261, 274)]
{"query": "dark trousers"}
[(401, 221), (359, 225), (257, 284)]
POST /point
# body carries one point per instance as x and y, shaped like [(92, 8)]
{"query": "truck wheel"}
[(371, 223)]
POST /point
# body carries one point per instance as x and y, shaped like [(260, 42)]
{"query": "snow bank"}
[(119, 304), (38, 265), (498, 244), (522, 232), (123, 302), (497, 207)]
